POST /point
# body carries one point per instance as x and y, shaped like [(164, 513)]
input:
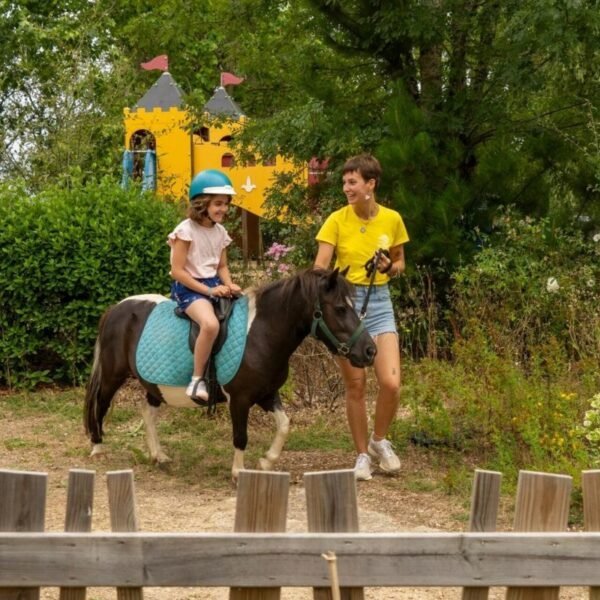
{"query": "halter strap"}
[(363, 311), (319, 323)]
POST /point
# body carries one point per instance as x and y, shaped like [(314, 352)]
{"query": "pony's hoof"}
[(265, 464), (162, 460), (97, 450)]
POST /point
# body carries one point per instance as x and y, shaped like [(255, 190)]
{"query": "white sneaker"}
[(384, 453), (362, 468), (196, 389)]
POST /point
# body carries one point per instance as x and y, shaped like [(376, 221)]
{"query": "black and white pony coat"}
[(280, 316)]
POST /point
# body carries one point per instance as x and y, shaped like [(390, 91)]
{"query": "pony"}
[(281, 315)]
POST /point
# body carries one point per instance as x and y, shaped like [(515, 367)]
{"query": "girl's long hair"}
[(199, 207)]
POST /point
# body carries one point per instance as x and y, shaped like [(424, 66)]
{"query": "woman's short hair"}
[(365, 164)]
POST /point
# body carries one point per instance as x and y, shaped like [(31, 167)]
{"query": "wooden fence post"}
[(78, 517), (123, 517), (590, 483), (332, 507), (261, 507), (485, 499), (22, 508), (542, 505)]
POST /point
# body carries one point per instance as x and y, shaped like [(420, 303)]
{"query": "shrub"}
[(482, 405), (65, 256), (590, 429), (533, 295)]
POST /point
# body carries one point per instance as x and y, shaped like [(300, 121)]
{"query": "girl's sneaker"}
[(384, 453), (196, 389), (362, 468)]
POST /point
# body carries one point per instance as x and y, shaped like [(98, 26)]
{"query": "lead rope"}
[(363, 310)]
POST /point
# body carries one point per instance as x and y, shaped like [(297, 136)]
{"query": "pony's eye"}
[(341, 309)]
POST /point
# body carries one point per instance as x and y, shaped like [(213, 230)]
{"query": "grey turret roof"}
[(221, 103), (165, 94)]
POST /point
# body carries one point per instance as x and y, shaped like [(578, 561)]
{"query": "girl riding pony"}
[(199, 265)]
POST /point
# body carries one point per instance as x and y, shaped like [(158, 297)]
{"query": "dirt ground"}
[(166, 503)]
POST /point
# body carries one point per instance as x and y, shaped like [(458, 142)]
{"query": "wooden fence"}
[(259, 558)]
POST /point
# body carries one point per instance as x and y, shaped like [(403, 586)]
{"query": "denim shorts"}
[(380, 312), (184, 296)]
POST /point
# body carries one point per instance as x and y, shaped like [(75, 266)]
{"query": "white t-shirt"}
[(206, 246)]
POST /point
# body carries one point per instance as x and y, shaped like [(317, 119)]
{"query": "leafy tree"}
[(502, 124), (469, 105), (56, 103), (71, 67)]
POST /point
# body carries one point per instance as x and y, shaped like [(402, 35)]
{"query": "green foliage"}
[(484, 407), (468, 108), (66, 255), (423, 323), (590, 428), (57, 92), (73, 65), (532, 295), (300, 91)]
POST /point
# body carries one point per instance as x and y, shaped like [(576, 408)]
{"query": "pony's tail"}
[(91, 422)]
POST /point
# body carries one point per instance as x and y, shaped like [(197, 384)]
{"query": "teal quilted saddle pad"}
[(163, 355)]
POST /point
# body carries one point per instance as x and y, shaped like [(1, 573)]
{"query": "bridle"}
[(318, 322), (343, 348)]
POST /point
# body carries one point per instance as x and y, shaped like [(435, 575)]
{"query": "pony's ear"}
[(345, 271), (332, 279)]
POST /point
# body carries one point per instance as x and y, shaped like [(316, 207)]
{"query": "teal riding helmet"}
[(211, 181)]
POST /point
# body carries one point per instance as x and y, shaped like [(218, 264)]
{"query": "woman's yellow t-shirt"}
[(356, 240)]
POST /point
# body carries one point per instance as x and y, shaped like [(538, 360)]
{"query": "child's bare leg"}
[(203, 313)]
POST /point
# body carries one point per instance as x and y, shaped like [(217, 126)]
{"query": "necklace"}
[(372, 214)]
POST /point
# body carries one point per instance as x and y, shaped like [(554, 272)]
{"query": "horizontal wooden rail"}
[(280, 559)]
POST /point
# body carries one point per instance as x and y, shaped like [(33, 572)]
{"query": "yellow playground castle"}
[(164, 150)]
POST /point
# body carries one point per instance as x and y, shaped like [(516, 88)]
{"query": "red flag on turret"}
[(160, 62), (230, 79)]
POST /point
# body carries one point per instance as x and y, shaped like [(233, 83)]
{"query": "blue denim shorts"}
[(380, 311), (184, 296)]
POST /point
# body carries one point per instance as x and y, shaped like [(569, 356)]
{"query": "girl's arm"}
[(324, 256), (225, 275)]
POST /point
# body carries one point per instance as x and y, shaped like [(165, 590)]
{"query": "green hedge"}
[(533, 295), (65, 256)]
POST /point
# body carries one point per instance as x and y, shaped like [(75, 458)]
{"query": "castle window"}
[(139, 161), (203, 133), (225, 139), (317, 170), (227, 160)]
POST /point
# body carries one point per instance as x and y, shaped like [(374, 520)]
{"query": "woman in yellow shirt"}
[(355, 234)]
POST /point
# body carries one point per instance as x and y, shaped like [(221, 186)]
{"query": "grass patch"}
[(325, 434), (16, 444)]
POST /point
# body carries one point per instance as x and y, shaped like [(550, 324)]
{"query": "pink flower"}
[(274, 254), (278, 251)]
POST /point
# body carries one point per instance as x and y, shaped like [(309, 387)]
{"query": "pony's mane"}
[(306, 283)]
